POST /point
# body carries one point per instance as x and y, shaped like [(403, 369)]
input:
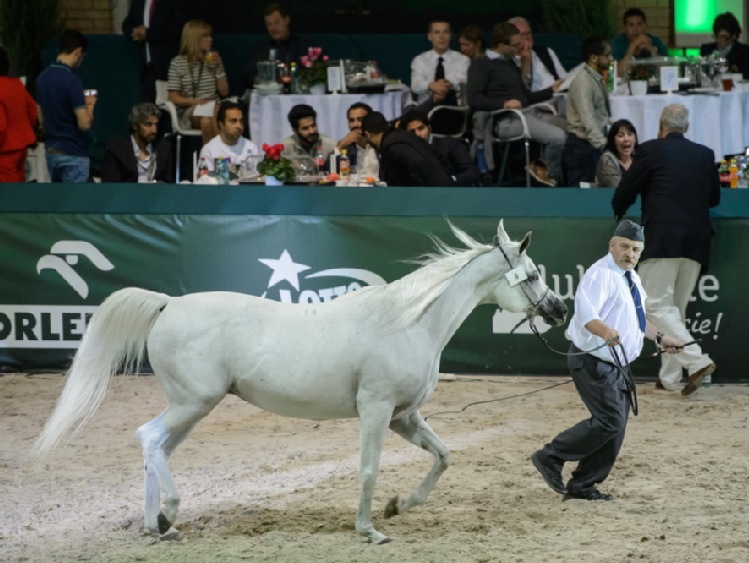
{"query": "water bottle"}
[(202, 167)]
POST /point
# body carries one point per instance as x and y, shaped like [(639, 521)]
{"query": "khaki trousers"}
[(669, 283)]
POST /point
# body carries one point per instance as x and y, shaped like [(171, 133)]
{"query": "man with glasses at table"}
[(496, 84), (726, 30)]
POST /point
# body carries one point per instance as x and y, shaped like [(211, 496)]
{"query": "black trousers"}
[(595, 442)]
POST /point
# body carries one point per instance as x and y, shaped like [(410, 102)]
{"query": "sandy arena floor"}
[(258, 487)]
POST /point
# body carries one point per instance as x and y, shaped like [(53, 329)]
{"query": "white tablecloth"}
[(269, 124), (720, 122)]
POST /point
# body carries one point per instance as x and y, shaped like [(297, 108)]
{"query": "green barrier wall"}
[(64, 248)]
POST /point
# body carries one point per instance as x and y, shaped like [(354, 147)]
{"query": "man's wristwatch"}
[(659, 338)]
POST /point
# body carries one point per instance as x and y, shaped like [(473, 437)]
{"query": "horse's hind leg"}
[(415, 429), (158, 441)]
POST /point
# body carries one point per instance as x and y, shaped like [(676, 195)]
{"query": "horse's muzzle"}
[(553, 311)]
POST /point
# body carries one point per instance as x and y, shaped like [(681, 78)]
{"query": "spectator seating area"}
[(111, 66)]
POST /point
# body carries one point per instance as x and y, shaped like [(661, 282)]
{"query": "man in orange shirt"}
[(18, 116)]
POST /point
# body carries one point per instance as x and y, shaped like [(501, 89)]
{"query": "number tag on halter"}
[(515, 276)]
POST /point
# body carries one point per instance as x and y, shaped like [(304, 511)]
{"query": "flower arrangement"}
[(313, 67), (275, 165), (641, 72)]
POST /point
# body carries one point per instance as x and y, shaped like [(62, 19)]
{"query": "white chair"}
[(449, 121), (36, 164), (162, 101), (505, 143)]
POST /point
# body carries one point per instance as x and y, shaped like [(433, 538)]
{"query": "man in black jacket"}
[(405, 159), (136, 158), (156, 25), (678, 184), (287, 46), (452, 153)]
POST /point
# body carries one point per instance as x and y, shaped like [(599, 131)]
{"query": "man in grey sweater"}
[(496, 84)]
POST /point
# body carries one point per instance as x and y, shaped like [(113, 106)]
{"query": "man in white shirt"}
[(539, 65), (607, 333), (229, 143), (361, 153), (436, 74)]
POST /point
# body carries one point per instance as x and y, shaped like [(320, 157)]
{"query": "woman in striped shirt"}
[(197, 76)]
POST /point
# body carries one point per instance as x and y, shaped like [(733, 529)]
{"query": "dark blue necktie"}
[(638, 301)]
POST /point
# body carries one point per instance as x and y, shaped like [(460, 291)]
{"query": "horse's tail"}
[(115, 338)]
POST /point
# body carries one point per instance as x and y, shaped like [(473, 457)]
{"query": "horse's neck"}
[(464, 292)]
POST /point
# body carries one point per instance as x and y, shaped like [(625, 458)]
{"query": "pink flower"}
[(325, 58)]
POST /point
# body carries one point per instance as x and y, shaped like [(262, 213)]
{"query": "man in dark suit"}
[(405, 159), (136, 158), (287, 46), (452, 153), (726, 30), (155, 25), (678, 184)]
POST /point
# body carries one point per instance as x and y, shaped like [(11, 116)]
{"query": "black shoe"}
[(587, 494), (551, 474)]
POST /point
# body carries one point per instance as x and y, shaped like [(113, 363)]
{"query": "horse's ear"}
[(502, 236), (526, 242)]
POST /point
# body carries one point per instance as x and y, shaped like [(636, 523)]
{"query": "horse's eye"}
[(533, 277)]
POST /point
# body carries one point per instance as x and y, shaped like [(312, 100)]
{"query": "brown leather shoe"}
[(695, 380)]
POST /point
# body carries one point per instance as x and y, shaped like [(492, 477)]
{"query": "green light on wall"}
[(696, 16)]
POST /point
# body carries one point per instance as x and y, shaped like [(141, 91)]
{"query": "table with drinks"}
[(268, 112), (717, 119)]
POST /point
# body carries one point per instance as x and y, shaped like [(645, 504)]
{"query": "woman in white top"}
[(196, 77), (620, 150)]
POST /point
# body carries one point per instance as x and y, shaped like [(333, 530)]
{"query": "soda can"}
[(221, 166)]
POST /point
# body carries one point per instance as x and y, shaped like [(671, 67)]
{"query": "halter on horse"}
[(372, 354)]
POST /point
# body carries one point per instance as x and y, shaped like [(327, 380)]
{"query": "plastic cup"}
[(727, 82)]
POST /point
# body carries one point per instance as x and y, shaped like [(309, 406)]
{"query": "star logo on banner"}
[(284, 269)]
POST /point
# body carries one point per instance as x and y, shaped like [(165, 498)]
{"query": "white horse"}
[(372, 354)]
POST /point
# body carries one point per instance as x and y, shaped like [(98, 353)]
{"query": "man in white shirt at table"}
[(229, 143), (436, 74)]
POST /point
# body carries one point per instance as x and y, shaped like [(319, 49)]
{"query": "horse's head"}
[(522, 289)]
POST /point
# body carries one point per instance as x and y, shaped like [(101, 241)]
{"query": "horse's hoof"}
[(172, 534), (391, 508), (383, 542), (164, 524)]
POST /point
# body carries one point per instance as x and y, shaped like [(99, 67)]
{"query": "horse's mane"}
[(406, 299)]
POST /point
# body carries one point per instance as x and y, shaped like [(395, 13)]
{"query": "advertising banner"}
[(57, 268)]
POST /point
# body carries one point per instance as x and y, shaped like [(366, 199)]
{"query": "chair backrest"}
[(162, 93), (162, 100), (449, 121)]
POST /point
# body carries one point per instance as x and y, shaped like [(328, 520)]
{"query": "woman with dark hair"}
[(726, 30), (621, 144), (18, 115)]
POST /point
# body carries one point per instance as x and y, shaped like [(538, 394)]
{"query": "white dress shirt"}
[(424, 65), (236, 154), (603, 294), (541, 78)]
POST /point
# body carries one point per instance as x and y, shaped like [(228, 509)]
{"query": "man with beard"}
[(405, 159), (135, 158), (452, 153), (588, 114), (306, 140), (361, 154), (229, 143)]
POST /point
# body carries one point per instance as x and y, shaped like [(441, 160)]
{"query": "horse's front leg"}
[(415, 429), (373, 427)]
